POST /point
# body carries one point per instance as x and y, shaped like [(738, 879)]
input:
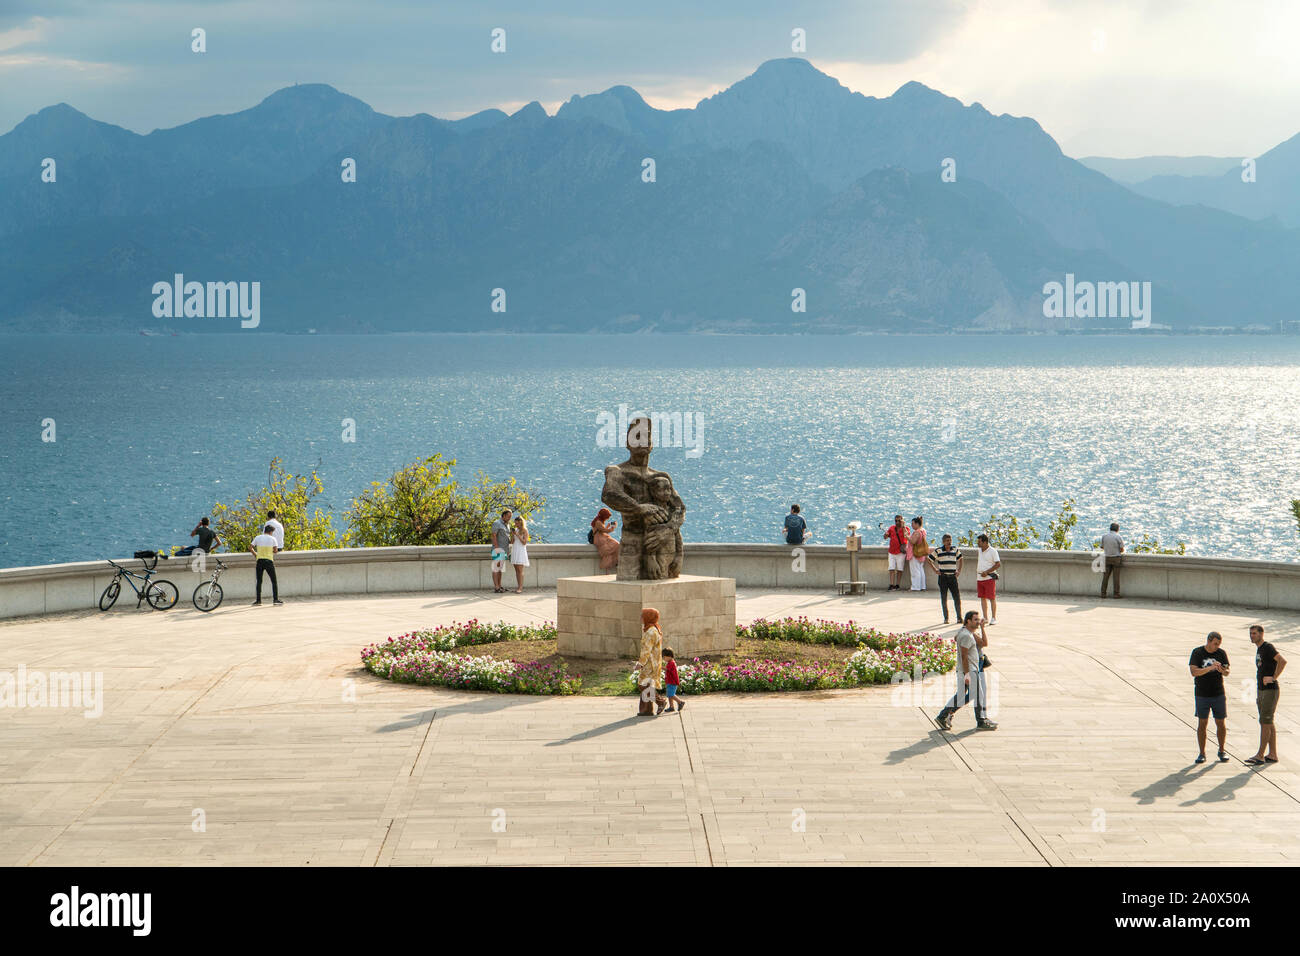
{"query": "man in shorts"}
[(897, 535), (500, 549), (1209, 666), (988, 566), (1268, 667)]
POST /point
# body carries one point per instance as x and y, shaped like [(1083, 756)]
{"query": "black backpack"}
[(591, 536)]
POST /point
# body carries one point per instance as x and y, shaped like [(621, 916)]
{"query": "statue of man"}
[(651, 546)]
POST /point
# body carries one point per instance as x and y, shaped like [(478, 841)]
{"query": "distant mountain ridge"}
[(786, 180)]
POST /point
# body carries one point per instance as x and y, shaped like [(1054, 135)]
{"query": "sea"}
[(113, 443)]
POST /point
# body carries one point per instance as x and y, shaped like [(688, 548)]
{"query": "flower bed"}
[(428, 657), (818, 631), (899, 654)]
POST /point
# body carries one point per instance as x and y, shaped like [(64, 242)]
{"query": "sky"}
[(1124, 79)]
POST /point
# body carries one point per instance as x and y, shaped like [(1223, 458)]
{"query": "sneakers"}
[(256, 604), (985, 725), (1200, 758), (944, 721), (992, 621), (277, 601)]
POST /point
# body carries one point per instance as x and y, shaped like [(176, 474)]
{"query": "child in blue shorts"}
[(670, 680)]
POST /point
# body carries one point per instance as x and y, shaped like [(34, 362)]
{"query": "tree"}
[(1148, 545), (415, 506), (290, 497), (1059, 528), (1004, 531), (422, 504), (488, 498)]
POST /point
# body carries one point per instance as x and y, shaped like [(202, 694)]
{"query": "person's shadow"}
[(1227, 790), (597, 731), (934, 741), (489, 706), (1169, 785)]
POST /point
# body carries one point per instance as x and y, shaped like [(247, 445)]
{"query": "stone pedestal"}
[(601, 617)]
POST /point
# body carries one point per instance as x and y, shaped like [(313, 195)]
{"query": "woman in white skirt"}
[(519, 551)]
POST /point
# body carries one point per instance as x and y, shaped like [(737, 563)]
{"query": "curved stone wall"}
[(54, 588)]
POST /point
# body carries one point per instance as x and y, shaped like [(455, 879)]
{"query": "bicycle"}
[(160, 594), (208, 595)]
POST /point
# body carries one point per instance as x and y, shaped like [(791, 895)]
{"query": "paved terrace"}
[(241, 713)]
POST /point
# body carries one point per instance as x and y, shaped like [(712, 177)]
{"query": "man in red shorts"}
[(986, 579)]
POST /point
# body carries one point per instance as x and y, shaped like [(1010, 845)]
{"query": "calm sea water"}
[(1185, 438)]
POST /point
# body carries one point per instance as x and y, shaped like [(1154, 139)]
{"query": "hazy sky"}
[(1128, 78)]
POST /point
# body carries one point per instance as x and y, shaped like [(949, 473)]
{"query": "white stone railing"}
[(54, 588)]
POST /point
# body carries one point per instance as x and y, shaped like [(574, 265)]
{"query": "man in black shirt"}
[(208, 540), (1209, 665), (1268, 668)]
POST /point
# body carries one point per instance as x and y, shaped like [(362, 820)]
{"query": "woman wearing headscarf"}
[(607, 546), (650, 665)]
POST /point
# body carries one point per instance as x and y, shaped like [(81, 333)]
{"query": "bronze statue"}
[(651, 508)]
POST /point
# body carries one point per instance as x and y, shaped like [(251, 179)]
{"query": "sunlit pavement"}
[(251, 736)]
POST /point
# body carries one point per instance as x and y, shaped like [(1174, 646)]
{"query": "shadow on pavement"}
[(1227, 790), (1169, 785), (598, 731), (488, 706), (934, 741)]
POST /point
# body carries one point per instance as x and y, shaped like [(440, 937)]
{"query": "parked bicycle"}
[(208, 595), (160, 594)]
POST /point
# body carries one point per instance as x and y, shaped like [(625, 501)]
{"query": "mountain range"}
[(786, 180)]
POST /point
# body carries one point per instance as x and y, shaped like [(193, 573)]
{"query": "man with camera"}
[(986, 579), (970, 665), (1209, 666)]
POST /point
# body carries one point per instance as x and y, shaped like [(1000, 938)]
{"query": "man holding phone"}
[(970, 657), (896, 534), (1209, 666)]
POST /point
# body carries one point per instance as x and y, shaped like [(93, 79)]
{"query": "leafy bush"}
[(1004, 531), (290, 497), (1059, 528), (421, 504)]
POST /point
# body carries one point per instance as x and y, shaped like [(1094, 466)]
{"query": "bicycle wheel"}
[(207, 596), (109, 597), (161, 595)]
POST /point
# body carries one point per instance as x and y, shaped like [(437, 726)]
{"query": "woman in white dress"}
[(519, 551)]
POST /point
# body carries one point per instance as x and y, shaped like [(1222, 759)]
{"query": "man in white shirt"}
[(970, 675), (263, 548), (1112, 546), (277, 530), (986, 579)]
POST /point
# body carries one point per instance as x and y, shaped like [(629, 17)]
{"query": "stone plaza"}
[(252, 736)]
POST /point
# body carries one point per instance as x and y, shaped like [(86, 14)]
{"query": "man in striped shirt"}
[(947, 562)]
